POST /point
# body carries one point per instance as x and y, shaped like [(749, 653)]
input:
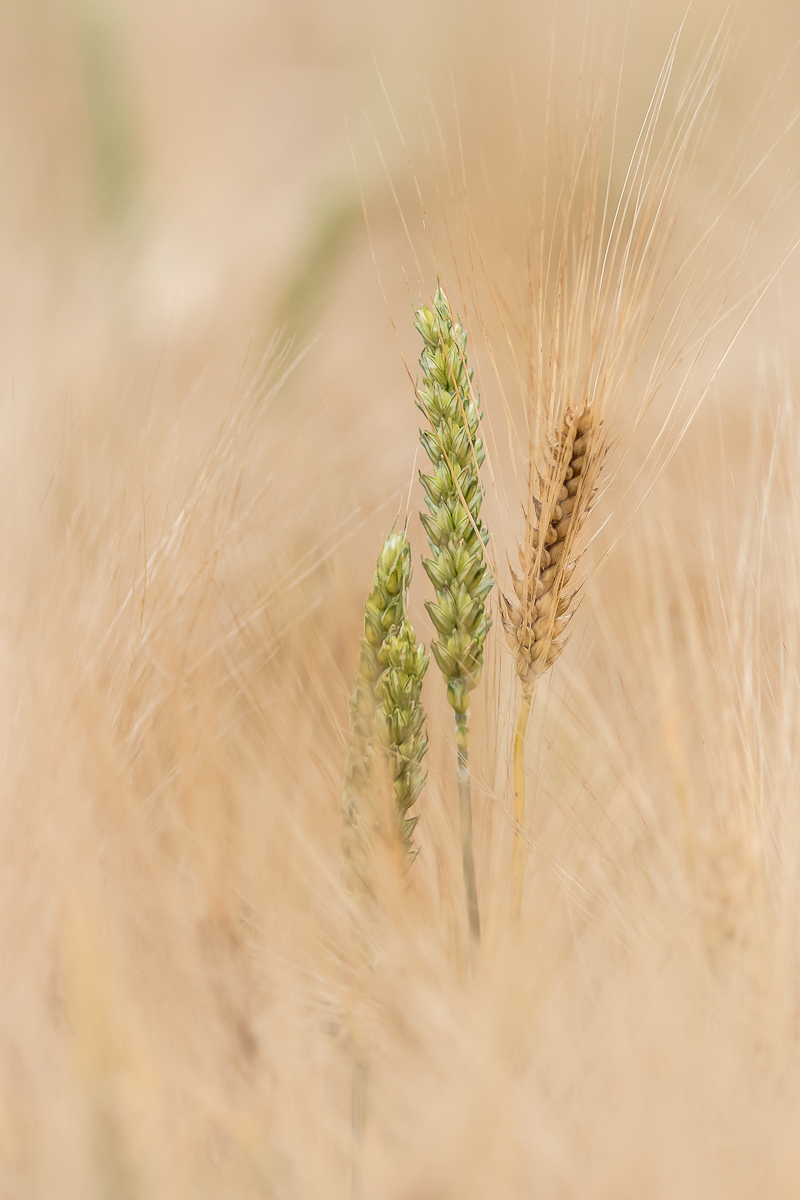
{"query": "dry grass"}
[(184, 565)]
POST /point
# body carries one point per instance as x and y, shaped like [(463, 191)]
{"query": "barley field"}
[(220, 222)]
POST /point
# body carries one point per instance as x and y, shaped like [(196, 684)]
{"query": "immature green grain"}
[(457, 567), (386, 718), (401, 722)]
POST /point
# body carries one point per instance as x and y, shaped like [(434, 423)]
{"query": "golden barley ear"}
[(535, 617), (537, 614)]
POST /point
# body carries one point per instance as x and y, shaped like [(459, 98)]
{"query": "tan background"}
[(184, 563)]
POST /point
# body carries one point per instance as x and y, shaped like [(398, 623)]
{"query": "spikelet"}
[(536, 617), (386, 717)]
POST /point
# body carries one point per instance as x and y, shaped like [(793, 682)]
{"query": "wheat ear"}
[(457, 567), (387, 720), (535, 618)]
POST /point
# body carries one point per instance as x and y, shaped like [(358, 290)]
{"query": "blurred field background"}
[(206, 430)]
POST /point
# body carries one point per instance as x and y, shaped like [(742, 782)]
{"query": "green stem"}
[(465, 812), (518, 850)]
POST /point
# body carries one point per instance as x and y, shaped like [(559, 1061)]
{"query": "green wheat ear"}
[(401, 722), (387, 720), (457, 568)]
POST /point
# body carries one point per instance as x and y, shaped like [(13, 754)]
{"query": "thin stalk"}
[(358, 1118), (465, 815), (518, 851)]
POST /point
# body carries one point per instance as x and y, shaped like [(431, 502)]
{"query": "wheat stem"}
[(518, 850), (465, 818)]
